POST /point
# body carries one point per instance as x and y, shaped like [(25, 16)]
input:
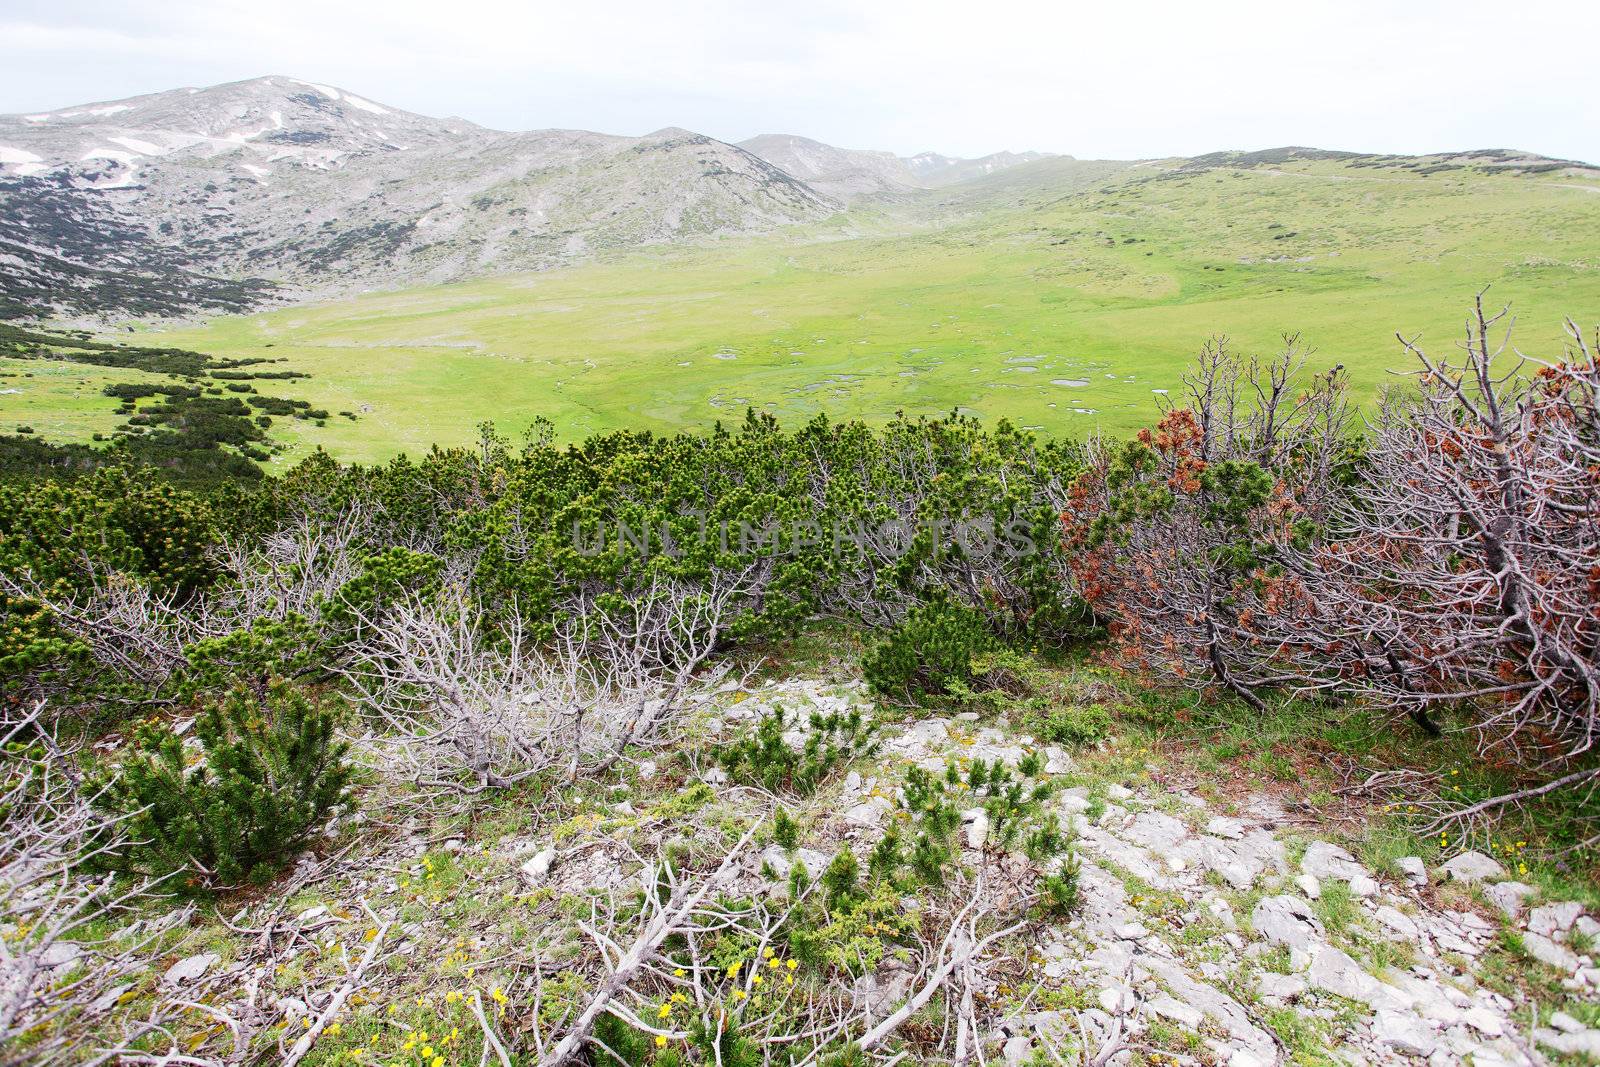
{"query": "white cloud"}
[(1107, 78)]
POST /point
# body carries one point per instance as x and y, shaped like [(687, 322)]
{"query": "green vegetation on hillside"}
[(196, 417), (523, 734), (1059, 295)]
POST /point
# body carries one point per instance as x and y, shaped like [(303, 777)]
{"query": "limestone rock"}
[(1403, 1033), (1398, 922), (1323, 859), (1177, 1011), (975, 826), (1413, 869), (1554, 920), (1509, 897), (537, 869), (1222, 826), (1550, 953), (1116, 1000), (1471, 867), (1286, 921), (1284, 986), (869, 813), (190, 969), (1584, 1042)]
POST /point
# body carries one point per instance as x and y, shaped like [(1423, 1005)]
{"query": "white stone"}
[(537, 869), (1116, 1000), (975, 822), (1286, 921), (782, 863), (1509, 897), (869, 813), (1554, 920), (1222, 826), (1471, 867), (1017, 1051), (1221, 910), (1566, 1023), (1397, 921), (1285, 986), (1363, 887), (59, 954), (1550, 953), (1156, 831), (1324, 859), (1309, 885), (1584, 1042), (1335, 972), (1484, 1021), (1404, 1033), (1414, 870), (190, 969), (1177, 1011)]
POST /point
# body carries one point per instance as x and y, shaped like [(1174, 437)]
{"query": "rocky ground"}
[(1211, 926), (1222, 920)]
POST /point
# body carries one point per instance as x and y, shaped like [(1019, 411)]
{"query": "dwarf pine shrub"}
[(271, 772), (1011, 803), (933, 647), (1073, 724), (1058, 892), (763, 757)]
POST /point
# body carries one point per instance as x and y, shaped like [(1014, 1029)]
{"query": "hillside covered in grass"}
[(1063, 295), (1261, 736)]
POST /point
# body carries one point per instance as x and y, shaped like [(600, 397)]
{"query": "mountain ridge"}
[(221, 198)]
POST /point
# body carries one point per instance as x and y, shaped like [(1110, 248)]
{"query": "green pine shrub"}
[(762, 756), (1058, 892), (785, 831), (1012, 803), (930, 651), (840, 881), (1073, 724), (271, 773)]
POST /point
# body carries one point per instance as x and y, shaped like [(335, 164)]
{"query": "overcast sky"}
[(1105, 78)]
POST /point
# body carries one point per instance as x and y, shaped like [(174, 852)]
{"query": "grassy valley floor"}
[(1065, 308)]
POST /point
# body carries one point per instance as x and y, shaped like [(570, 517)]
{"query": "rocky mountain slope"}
[(935, 170), (1214, 927), (851, 174), (219, 199), (216, 198), (308, 185), (840, 172)]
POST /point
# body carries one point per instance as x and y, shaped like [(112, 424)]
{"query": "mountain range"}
[(213, 198), (224, 198)]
